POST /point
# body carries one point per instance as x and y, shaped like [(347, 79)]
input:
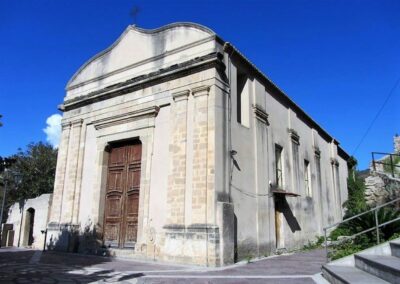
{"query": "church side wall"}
[(304, 216)]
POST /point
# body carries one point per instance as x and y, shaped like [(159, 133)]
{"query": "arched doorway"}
[(28, 228)]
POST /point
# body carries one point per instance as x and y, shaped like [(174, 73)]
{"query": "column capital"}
[(334, 162), (200, 91), (294, 136), (181, 95), (317, 152), (77, 122), (65, 125), (260, 114)]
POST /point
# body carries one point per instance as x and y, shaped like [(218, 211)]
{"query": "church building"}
[(175, 147)]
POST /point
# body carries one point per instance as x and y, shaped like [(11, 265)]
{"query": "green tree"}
[(35, 168), (356, 202)]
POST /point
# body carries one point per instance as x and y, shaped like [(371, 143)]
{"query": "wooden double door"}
[(122, 194)]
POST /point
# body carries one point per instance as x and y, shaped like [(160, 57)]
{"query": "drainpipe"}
[(228, 48)]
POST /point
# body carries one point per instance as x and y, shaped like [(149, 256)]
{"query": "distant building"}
[(176, 147)]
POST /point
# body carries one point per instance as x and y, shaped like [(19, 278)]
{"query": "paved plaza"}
[(30, 266)]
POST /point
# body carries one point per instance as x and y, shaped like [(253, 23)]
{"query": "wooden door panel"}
[(132, 208), (133, 179), (134, 155), (117, 156), (115, 180), (122, 195), (113, 208), (111, 234)]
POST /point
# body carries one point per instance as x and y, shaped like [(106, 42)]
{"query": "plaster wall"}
[(250, 189), (17, 215)]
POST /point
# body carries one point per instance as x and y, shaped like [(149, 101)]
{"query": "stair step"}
[(336, 274), (385, 267), (395, 248)]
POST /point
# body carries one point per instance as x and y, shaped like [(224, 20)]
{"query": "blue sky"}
[(337, 59)]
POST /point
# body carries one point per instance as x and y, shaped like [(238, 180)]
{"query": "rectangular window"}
[(242, 100), (278, 166), (307, 178)]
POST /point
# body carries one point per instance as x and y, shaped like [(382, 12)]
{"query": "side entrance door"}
[(122, 195)]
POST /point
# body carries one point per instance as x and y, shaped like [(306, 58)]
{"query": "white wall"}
[(311, 213), (18, 214)]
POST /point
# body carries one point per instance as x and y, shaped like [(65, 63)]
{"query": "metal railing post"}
[(372, 228), (391, 165), (326, 246), (373, 161), (377, 226)]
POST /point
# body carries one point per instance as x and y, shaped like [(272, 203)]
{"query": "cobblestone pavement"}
[(29, 266)]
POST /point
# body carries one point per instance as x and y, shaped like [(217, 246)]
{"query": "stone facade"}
[(208, 122)]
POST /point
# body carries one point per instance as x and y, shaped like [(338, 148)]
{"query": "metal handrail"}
[(380, 162), (376, 227)]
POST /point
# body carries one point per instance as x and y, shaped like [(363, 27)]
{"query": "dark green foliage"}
[(355, 203), (350, 246), (387, 166), (339, 231), (367, 221), (35, 168), (314, 244)]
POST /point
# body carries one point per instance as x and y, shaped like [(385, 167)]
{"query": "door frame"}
[(143, 130)]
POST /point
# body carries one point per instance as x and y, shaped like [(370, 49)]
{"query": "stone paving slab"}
[(51, 267), (227, 280)]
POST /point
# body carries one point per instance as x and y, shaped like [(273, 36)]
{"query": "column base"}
[(196, 244)]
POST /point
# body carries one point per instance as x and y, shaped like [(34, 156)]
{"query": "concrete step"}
[(395, 248), (384, 267), (337, 274)]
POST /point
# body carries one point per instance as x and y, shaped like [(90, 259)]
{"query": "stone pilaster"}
[(56, 207), (78, 181), (71, 172), (261, 179), (177, 148), (200, 194), (336, 187)]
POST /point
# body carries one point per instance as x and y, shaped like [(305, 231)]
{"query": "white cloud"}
[(53, 129)]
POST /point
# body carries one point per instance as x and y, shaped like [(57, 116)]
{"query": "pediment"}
[(137, 46)]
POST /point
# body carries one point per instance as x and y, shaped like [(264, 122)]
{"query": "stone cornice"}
[(71, 123), (334, 162), (260, 114), (317, 152), (200, 91), (65, 124), (126, 117), (212, 60), (77, 122), (180, 96), (294, 136)]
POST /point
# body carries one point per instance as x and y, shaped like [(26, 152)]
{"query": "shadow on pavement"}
[(56, 267)]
